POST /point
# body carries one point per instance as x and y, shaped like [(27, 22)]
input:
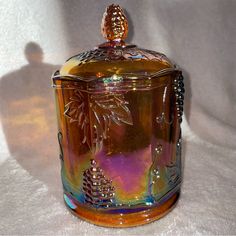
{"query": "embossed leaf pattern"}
[(100, 54), (75, 111), (113, 106), (105, 109), (109, 108)]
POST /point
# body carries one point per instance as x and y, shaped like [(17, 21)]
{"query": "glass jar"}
[(119, 110)]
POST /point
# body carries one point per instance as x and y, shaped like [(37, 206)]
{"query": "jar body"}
[(120, 146)]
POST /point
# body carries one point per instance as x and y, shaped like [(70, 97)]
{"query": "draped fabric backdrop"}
[(38, 36)]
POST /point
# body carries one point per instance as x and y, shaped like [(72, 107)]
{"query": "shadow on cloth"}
[(28, 116)]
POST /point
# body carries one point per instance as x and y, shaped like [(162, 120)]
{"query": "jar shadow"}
[(28, 117)]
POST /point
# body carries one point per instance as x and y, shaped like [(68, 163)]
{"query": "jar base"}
[(125, 220)]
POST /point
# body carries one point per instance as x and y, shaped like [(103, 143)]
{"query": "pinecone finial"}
[(114, 25)]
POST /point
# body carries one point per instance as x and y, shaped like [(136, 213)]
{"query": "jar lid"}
[(115, 56)]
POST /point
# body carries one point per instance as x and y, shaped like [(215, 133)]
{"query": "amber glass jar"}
[(119, 111)]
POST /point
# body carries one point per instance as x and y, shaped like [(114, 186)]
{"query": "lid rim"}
[(125, 76)]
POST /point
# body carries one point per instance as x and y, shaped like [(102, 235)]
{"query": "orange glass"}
[(119, 111)]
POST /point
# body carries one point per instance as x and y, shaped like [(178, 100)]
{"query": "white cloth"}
[(198, 35)]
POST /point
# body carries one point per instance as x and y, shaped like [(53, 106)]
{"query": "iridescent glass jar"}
[(119, 111)]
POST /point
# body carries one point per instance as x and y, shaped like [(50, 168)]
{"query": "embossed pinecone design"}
[(97, 189), (179, 93), (114, 23)]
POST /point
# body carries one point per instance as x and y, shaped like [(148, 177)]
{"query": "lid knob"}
[(114, 25)]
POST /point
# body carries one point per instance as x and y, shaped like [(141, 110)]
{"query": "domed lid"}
[(115, 57)]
